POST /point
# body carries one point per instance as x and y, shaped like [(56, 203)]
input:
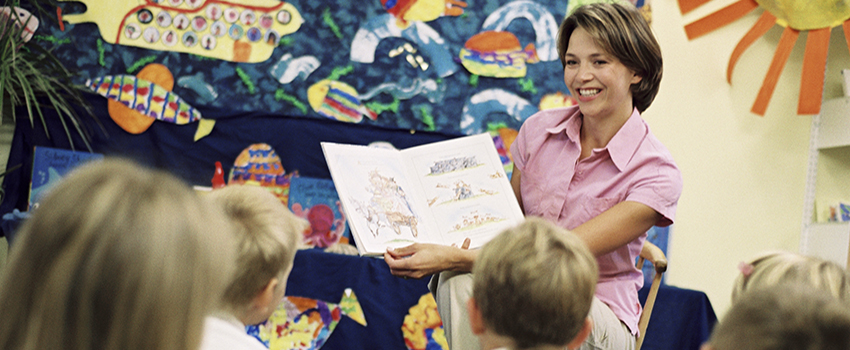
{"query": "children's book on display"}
[(50, 165), (441, 192)]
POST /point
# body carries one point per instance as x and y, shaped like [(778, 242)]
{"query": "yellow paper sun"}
[(815, 16)]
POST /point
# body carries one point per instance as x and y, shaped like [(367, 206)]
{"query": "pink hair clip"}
[(746, 268)]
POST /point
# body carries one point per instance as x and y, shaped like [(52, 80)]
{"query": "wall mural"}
[(816, 17), (458, 67)]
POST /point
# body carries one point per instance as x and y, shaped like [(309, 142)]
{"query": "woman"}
[(594, 168)]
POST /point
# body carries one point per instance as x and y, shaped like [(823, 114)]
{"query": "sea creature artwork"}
[(494, 106), (325, 229), (197, 84), (135, 102), (259, 165), (337, 100), (497, 54), (426, 40), (816, 17), (230, 30), (429, 88), (301, 323), (23, 21), (406, 11), (542, 21), (287, 69), (422, 327)]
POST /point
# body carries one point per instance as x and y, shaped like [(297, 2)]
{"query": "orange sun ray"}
[(786, 43), (720, 18), (814, 69), (686, 6), (765, 22)]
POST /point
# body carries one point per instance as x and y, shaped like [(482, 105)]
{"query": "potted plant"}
[(31, 77)]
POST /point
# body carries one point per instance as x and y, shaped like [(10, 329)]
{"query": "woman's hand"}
[(422, 259)]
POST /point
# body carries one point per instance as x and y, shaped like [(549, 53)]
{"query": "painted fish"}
[(25, 22), (337, 100), (231, 30), (302, 323), (258, 164), (422, 10), (145, 97), (497, 54)]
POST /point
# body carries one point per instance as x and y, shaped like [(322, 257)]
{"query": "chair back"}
[(650, 252)]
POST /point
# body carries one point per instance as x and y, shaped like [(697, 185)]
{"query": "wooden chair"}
[(650, 252)]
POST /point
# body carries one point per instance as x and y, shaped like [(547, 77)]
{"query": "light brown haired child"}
[(532, 289), (267, 236)]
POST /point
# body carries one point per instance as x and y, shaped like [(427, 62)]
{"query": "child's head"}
[(784, 316), (773, 268), (620, 30), (534, 284), (267, 236), (117, 256)]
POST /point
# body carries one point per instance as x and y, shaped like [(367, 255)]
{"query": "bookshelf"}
[(827, 183)]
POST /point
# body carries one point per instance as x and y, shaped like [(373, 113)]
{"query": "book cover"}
[(317, 201), (441, 193), (49, 165)]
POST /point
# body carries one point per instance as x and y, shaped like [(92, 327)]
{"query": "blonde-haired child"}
[(267, 236), (116, 257), (779, 267)]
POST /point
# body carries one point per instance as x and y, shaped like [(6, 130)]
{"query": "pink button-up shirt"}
[(555, 185)]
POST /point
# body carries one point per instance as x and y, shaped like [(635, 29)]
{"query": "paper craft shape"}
[(305, 324)]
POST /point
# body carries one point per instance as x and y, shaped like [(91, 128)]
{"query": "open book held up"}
[(441, 192)]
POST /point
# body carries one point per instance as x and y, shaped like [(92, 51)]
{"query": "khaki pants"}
[(608, 333), (452, 290)]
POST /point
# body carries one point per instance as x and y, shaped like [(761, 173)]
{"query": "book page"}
[(467, 191), (382, 206)]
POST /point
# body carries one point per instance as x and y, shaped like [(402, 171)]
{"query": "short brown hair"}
[(622, 32), (534, 283)]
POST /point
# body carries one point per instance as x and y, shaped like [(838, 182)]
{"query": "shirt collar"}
[(571, 123), (625, 142), (622, 146)]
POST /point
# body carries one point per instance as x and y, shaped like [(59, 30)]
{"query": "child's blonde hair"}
[(534, 283), (116, 257), (267, 236), (780, 267)]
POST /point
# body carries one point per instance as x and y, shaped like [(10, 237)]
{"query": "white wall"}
[(744, 174)]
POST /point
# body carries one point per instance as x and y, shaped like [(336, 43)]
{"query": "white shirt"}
[(228, 333)]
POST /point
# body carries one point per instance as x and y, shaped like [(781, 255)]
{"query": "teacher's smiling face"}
[(598, 80)]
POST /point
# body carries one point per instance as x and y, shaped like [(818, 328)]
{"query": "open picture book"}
[(441, 192)]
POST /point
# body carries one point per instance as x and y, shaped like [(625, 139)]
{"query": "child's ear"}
[(475, 320), (582, 334), (266, 298)]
